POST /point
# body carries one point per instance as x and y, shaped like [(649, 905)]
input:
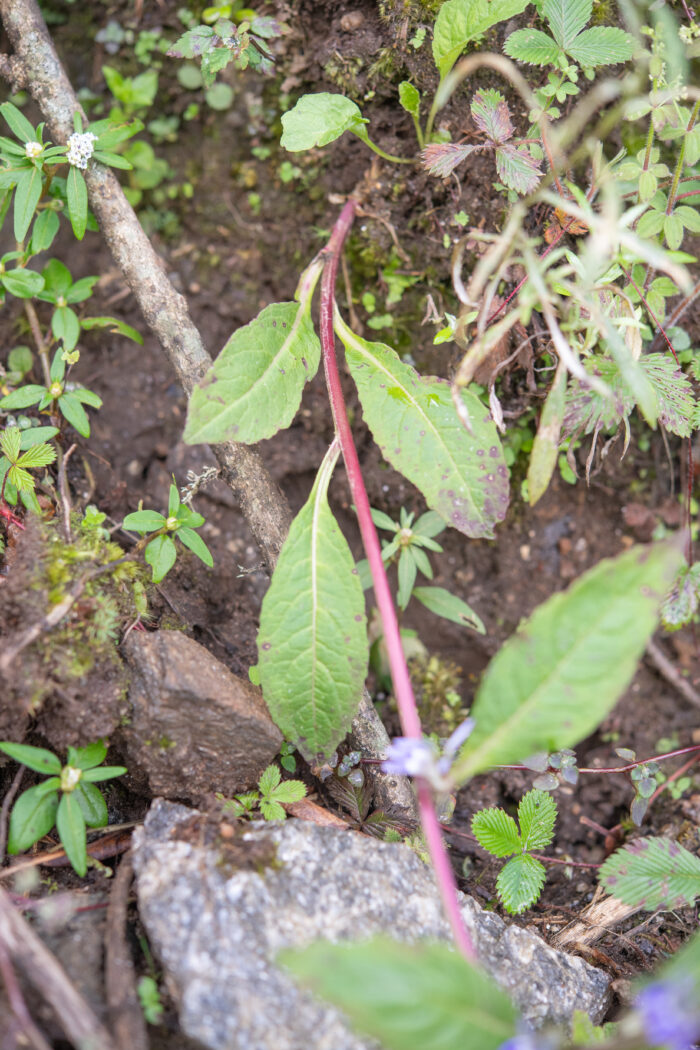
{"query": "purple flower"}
[(411, 757), (528, 1040), (670, 1013)]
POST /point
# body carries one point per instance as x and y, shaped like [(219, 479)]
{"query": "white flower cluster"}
[(32, 149), (80, 148)]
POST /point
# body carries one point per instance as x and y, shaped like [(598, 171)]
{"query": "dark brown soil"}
[(229, 262)]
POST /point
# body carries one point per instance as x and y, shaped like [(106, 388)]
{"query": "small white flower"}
[(70, 777), (80, 148), (32, 149)]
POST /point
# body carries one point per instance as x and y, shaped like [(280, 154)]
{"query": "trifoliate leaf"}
[(537, 813), (652, 873), (289, 791), (269, 779), (496, 832), (272, 810), (492, 115), (37, 456), (520, 882)]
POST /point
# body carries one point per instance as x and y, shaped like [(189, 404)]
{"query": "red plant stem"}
[(674, 776), (403, 690), (657, 322), (540, 856), (625, 769)]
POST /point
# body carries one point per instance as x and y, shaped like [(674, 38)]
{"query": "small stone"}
[(194, 727), (351, 21)]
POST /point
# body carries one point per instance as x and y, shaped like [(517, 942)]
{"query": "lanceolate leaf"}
[(546, 444), (652, 873), (555, 680), (27, 197), (449, 606), (519, 883), (254, 387), (410, 997), (312, 642), (77, 199), (70, 824), (460, 21), (462, 476)]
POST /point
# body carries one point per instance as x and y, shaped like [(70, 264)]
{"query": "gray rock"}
[(218, 914), (194, 727)]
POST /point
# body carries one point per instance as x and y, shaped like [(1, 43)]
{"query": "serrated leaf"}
[(77, 201), (272, 810), (413, 419), (586, 409), (33, 815), (70, 824), (37, 456), (160, 554), (410, 997), (601, 46), (537, 814), (312, 642), (27, 194), (520, 883), (447, 605), (10, 443), (496, 832), (674, 393), (491, 115), (517, 168), (558, 676), (533, 47), (545, 447), (441, 158), (20, 478), (652, 873), (318, 119), (409, 97), (269, 779), (460, 21), (681, 604), (289, 791), (566, 18), (254, 387)]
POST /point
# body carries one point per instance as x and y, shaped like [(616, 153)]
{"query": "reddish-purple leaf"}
[(442, 158), (491, 115), (517, 169)]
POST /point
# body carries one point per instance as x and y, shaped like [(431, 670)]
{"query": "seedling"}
[(67, 799), (160, 550), (269, 798), (22, 451)]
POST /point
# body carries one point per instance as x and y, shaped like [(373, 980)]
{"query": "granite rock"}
[(217, 915)]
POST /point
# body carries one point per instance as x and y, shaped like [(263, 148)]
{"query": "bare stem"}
[(403, 690)]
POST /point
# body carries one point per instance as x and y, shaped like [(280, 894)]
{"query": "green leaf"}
[(413, 419), (160, 554), (409, 997), (77, 201), (269, 779), (18, 123), (89, 756), (255, 385), (20, 478), (92, 804), (33, 815), (601, 46), (10, 442), (22, 283), (196, 544), (65, 326), (312, 642), (557, 677), (674, 393), (80, 290), (87, 397), (537, 814), (23, 397), (114, 325), (272, 810), (45, 229), (682, 602), (36, 758), (520, 883), (492, 115), (545, 447), (652, 873), (566, 18), (144, 521), (517, 168), (533, 47), (37, 456), (289, 791), (74, 412), (318, 119), (673, 232), (94, 776), (70, 824), (409, 97), (57, 278), (27, 196), (443, 603), (460, 21), (406, 573), (496, 832), (20, 359)]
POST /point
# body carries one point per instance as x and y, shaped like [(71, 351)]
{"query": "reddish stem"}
[(625, 769), (403, 690)]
